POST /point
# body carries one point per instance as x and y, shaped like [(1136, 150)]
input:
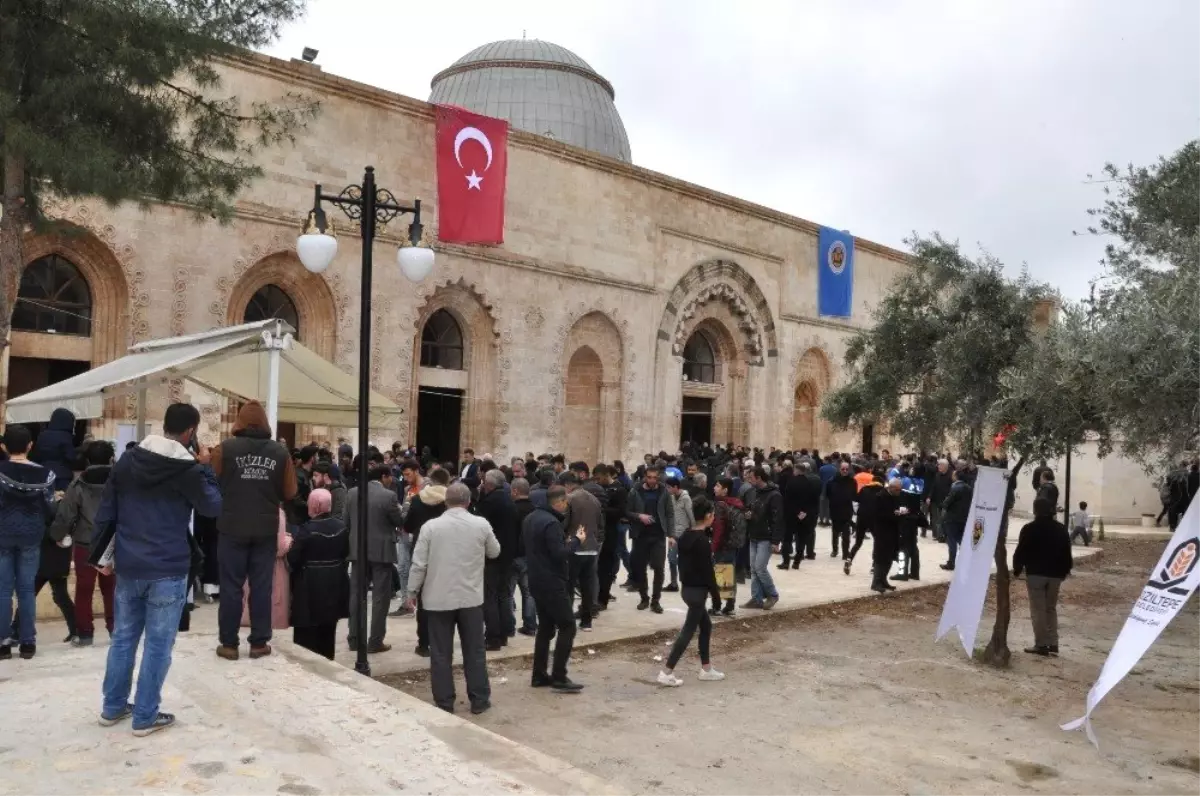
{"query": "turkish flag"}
[(472, 164)]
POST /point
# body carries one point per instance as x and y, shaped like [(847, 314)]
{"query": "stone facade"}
[(572, 331)]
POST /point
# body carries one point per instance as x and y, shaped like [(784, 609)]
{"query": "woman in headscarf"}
[(320, 582)]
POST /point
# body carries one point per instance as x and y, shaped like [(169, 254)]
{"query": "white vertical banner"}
[(973, 569), (1171, 583)]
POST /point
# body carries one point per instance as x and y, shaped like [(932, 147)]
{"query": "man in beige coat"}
[(447, 572)]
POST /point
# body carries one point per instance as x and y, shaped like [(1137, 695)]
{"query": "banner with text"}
[(1171, 583), (973, 569)]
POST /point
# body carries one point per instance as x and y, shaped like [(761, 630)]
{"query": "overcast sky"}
[(981, 120)]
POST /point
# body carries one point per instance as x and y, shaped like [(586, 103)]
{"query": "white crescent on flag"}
[(472, 134)]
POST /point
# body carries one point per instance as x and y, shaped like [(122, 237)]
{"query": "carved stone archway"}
[(314, 301), (593, 369), (811, 375), (478, 429)]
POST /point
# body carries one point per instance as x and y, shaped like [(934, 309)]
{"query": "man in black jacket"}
[(429, 503), (955, 511), (841, 491), (615, 499), (1044, 553), (804, 491), (497, 507), (650, 510), (547, 554), (864, 522), (890, 507), (520, 572), (937, 487), (765, 531)]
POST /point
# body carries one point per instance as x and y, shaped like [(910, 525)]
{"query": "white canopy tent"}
[(255, 361)]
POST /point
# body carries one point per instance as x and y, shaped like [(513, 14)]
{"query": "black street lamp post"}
[(316, 247)]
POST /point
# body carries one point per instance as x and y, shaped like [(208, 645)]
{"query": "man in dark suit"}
[(468, 471), (802, 503), (383, 518)]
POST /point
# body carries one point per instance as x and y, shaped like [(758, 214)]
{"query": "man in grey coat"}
[(447, 572), (584, 510), (383, 520)]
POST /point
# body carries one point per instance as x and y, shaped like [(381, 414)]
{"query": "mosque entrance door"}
[(439, 421), (696, 424)]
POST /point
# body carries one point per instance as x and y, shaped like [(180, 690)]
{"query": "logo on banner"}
[(836, 257), (1178, 566), (976, 533)]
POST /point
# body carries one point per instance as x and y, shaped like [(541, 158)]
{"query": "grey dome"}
[(538, 87)]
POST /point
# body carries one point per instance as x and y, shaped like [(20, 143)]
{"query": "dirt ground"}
[(858, 699)]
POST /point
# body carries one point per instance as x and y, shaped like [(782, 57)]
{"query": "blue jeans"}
[(520, 578), (622, 549), (761, 584), (673, 562), (18, 571), (152, 607), (404, 560)]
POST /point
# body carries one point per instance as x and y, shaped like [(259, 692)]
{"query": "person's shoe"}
[(669, 680), (5, 652), (161, 722), (834, 553), (846, 567), (671, 587), (600, 606), (401, 611), (493, 646), (728, 609), (784, 565), (586, 628), (644, 604), (711, 675), (811, 556), (228, 653), (481, 707), (947, 567), (262, 651), (528, 631), (626, 584), (753, 604), (881, 589), (740, 578), (656, 607), (373, 649), (540, 681), (1043, 651), (82, 641), (769, 603), (796, 564), (889, 587), (422, 651), (70, 639), (566, 686), (899, 577), (1053, 650), (108, 721), (714, 611), (27, 651), (914, 577)]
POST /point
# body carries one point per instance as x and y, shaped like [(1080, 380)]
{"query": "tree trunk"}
[(997, 653), (12, 259)]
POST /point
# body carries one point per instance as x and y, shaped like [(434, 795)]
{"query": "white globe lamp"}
[(316, 246), (416, 262)]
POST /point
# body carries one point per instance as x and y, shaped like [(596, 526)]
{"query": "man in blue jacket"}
[(145, 512)]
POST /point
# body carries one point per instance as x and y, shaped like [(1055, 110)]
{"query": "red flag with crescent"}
[(472, 169)]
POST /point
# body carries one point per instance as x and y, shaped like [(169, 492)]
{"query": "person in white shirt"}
[(447, 572)]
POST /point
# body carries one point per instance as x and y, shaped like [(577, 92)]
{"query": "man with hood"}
[(143, 521), (257, 478), (429, 503), (55, 447), (26, 505), (76, 512)]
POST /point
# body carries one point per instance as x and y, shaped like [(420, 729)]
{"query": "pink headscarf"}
[(320, 501)]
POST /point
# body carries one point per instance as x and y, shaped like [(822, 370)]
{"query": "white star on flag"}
[(473, 181)]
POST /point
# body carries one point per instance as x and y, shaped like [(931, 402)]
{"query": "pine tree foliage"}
[(121, 100)]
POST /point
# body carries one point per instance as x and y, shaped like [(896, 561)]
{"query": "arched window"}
[(53, 297), (268, 302), (699, 361), (442, 342)]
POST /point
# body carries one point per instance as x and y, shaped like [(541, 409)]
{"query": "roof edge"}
[(510, 63)]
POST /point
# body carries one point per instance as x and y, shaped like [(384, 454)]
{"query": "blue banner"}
[(835, 273)]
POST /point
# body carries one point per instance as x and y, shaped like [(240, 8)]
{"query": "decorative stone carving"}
[(728, 282), (726, 294)]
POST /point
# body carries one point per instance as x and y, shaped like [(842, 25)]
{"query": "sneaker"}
[(656, 607), (228, 653), (711, 675), (586, 628), (671, 587), (422, 651), (752, 604), (70, 639), (401, 611), (161, 722), (108, 721), (82, 641), (846, 567), (644, 604), (27, 651), (770, 603), (714, 611), (261, 651), (566, 686), (668, 679), (728, 609), (5, 652)]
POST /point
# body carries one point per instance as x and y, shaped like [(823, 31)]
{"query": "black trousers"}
[(422, 625), (583, 577), (469, 622), (62, 598), (860, 533), (883, 556), (498, 619), (912, 552), (607, 566), (243, 560), (555, 617), (696, 598), (793, 540), (320, 639), (380, 576), (808, 533), (841, 530), (648, 551)]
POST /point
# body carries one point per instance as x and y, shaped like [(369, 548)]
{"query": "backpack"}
[(737, 528)]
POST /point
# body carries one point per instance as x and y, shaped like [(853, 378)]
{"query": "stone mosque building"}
[(626, 310)]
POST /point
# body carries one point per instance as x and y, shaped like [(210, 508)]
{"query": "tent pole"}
[(141, 411), (275, 343)]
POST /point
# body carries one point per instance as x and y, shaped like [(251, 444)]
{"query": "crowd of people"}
[(483, 549)]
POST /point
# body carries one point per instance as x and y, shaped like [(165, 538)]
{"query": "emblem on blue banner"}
[(835, 273)]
